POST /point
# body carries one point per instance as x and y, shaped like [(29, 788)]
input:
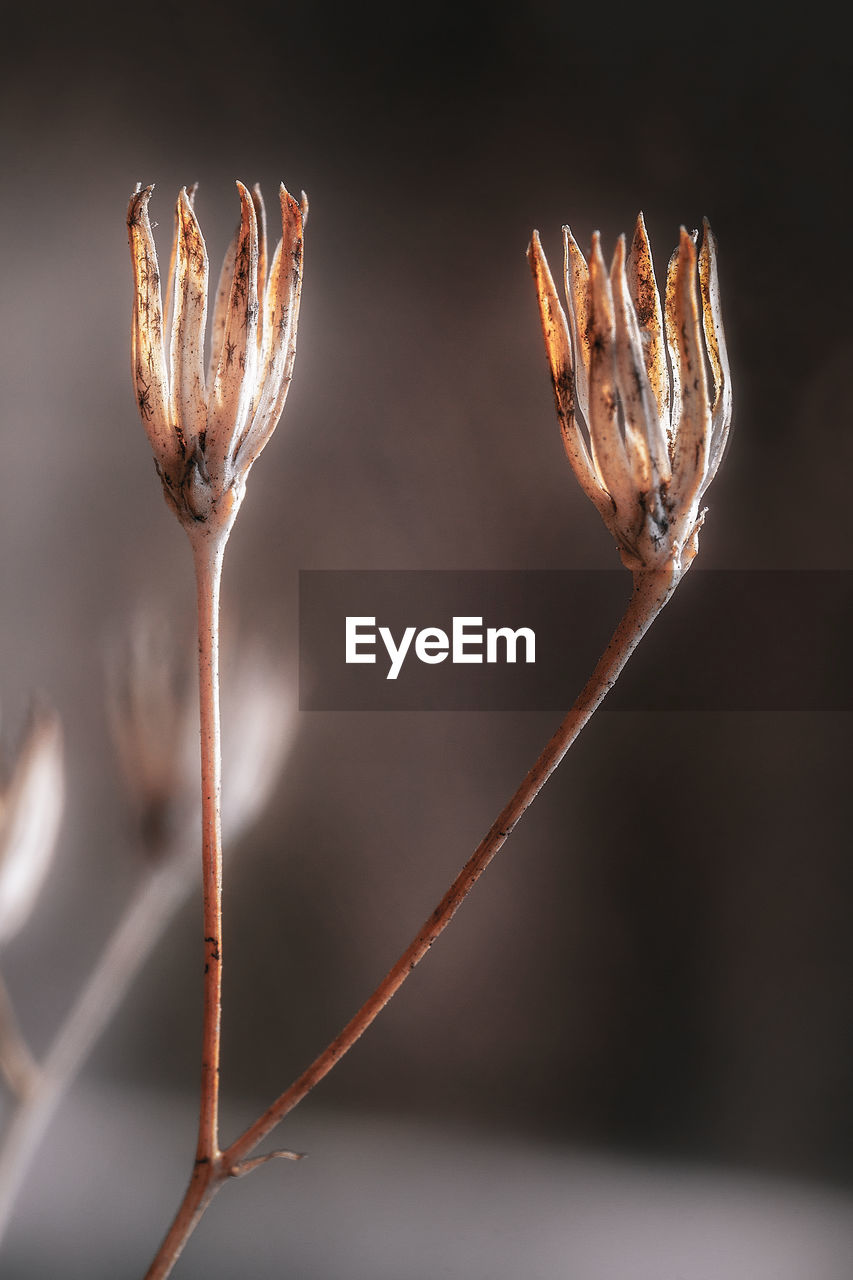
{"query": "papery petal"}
[(559, 351), (608, 447), (576, 274), (30, 820), (715, 339), (148, 358), (189, 407), (220, 307), (644, 294), (234, 384), (645, 441), (261, 217), (281, 314), (691, 416), (170, 279)]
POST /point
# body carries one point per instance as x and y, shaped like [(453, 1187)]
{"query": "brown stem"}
[(208, 553), (651, 592)]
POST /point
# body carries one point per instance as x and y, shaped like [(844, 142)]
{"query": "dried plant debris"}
[(152, 704), (650, 383), (207, 426)]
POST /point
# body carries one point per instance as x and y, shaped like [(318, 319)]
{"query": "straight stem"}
[(208, 553)]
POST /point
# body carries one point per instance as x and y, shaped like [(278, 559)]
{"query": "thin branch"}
[(17, 1063), (208, 551), (208, 1170), (651, 593), (143, 922), (249, 1166)]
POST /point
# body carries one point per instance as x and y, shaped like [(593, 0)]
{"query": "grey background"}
[(660, 962)]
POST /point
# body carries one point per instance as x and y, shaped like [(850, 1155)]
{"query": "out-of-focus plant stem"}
[(145, 919), (17, 1064)]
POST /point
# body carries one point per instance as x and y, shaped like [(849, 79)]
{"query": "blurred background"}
[(657, 973)]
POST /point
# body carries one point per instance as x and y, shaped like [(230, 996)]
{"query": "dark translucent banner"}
[(528, 640)]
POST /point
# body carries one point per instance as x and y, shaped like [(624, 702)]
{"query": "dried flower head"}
[(651, 384), (31, 798), (152, 703), (207, 428)]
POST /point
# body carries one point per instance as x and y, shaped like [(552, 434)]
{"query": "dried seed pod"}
[(152, 704), (655, 433), (207, 427)]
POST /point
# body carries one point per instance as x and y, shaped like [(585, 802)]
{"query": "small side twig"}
[(249, 1166)]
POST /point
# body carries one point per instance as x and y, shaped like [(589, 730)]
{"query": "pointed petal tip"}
[(641, 235), (687, 243), (618, 265), (289, 205), (246, 201), (138, 203)]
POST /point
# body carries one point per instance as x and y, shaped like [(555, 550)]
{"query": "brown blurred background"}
[(661, 960)]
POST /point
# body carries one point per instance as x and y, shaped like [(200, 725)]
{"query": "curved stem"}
[(141, 925), (651, 592)]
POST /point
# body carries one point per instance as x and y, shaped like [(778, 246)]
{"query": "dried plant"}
[(656, 433), (206, 431), (655, 437), (152, 708)]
